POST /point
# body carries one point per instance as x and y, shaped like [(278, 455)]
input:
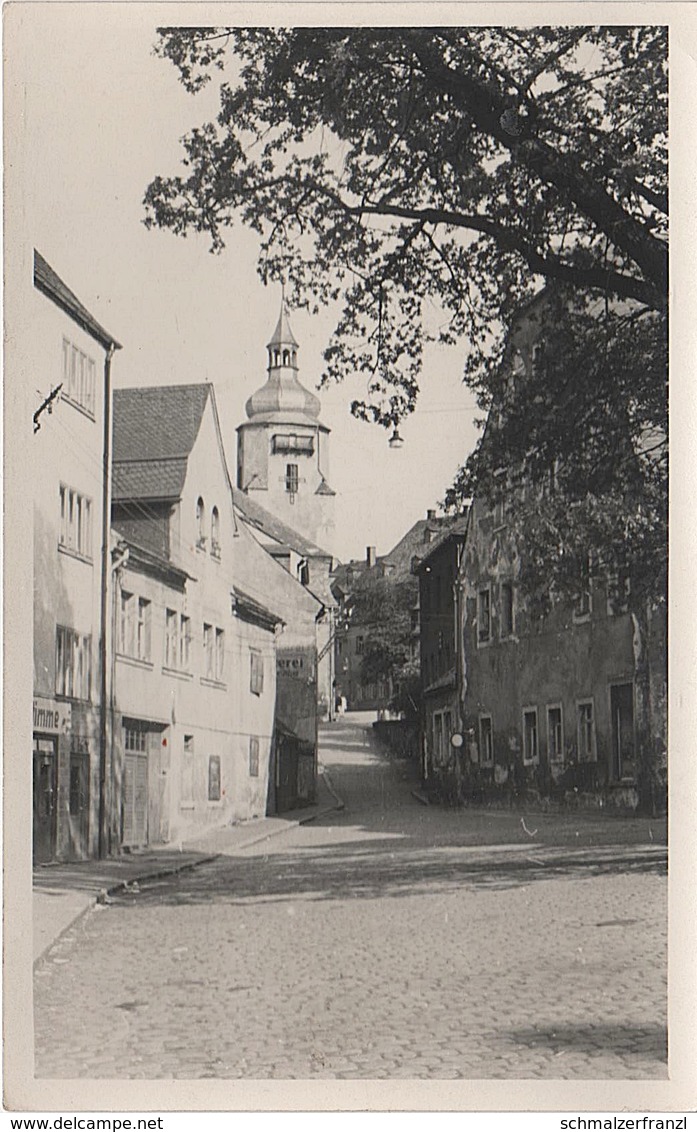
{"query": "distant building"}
[(438, 572), (283, 447), (70, 364), (397, 567)]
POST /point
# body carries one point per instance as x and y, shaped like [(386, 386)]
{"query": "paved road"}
[(389, 940)]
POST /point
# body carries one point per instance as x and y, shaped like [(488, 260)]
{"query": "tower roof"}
[(282, 399), (283, 335)]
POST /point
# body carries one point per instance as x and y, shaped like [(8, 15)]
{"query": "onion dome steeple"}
[(283, 398)]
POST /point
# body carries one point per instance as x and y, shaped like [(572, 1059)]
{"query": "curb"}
[(190, 865), (340, 803)]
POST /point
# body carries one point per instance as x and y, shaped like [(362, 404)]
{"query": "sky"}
[(102, 116)]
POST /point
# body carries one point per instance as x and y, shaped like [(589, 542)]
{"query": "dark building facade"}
[(552, 706)]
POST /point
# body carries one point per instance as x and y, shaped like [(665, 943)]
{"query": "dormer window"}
[(200, 524), (215, 533)]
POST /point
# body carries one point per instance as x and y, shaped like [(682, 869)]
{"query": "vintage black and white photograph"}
[(341, 401)]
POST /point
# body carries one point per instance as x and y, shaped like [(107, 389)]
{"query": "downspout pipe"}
[(103, 842)]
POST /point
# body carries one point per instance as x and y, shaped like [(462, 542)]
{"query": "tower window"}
[(286, 358), (292, 479)]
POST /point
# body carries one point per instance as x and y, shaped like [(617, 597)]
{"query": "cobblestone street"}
[(386, 940)]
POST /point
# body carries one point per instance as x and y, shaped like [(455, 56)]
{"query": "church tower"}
[(283, 447)]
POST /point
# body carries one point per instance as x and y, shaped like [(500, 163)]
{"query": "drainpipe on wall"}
[(103, 843)]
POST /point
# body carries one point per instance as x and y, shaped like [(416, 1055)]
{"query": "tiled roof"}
[(159, 422), (148, 479), (457, 529), (417, 542), (46, 280)]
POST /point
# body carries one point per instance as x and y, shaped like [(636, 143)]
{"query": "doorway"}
[(45, 800), (622, 717), (79, 802)]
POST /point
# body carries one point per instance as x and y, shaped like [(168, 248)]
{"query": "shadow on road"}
[(384, 869), (650, 1041)]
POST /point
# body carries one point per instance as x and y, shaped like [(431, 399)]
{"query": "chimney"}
[(370, 555), (431, 516)]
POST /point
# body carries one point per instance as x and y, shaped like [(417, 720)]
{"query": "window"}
[(200, 523), (584, 604), (143, 629), (530, 749), (215, 533), (506, 609), (208, 651), (586, 732), (185, 643), (177, 641), (292, 479), (79, 371), (360, 643), (219, 653), (213, 652), (187, 794), (214, 791), (73, 663), (484, 615), (135, 626), (135, 739), (256, 676), (171, 624), (555, 734), (253, 756), (486, 740), (294, 445), (76, 522)]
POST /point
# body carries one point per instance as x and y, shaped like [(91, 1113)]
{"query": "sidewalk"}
[(63, 892)]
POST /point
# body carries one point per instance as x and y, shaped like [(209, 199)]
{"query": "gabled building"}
[(70, 364), (551, 703), (199, 606)]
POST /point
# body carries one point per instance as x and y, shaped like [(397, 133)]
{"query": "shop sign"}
[(52, 716)]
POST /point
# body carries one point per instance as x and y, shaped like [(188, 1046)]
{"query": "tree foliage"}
[(426, 180), (383, 608), (393, 170)]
